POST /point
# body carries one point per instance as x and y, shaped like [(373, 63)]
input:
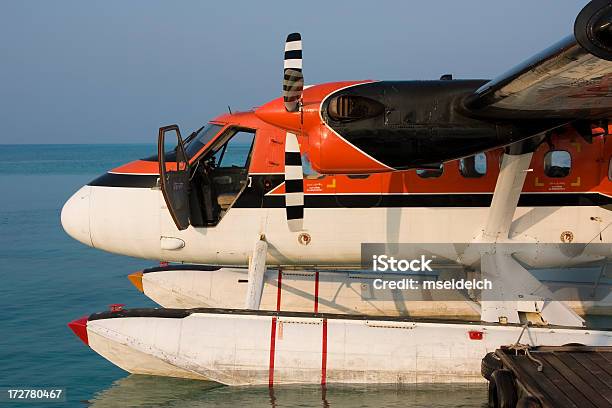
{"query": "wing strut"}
[(517, 296), (514, 167), (257, 270)]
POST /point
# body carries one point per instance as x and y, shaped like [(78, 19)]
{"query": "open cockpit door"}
[(174, 174)]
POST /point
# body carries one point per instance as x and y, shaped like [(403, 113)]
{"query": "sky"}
[(114, 71)]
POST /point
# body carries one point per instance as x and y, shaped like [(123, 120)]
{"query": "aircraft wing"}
[(570, 80)]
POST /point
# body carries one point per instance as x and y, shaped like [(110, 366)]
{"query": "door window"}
[(174, 176)]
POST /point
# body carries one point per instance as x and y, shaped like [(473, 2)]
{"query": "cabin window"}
[(430, 173), (473, 166), (307, 170), (557, 163)]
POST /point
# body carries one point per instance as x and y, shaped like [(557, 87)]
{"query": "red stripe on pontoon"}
[(324, 354), (278, 290), (272, 352), (316, 294)]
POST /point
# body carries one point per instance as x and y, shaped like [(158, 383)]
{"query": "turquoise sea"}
[(48, 279)]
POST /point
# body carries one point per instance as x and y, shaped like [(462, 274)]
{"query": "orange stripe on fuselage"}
[(138, 167), (589, 167)]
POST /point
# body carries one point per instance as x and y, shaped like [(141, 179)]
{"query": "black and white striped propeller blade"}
[(293, 82), (294, 184)]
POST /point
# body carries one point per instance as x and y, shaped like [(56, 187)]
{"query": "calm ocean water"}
[(48, 279)]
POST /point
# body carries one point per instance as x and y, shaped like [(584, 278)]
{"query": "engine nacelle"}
[(380, 126), (593, 28)]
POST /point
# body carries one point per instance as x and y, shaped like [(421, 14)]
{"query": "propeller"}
[(294, 184), (293, 83)]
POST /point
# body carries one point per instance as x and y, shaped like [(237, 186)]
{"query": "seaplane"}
[(260, 221)]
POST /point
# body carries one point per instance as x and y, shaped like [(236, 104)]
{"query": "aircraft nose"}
[(75, 216)]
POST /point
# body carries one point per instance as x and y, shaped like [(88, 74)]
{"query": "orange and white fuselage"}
[(124, 211)]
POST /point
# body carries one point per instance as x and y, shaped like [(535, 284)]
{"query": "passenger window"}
[(473, 166), (308, 172), (430, 173), (557, 163)]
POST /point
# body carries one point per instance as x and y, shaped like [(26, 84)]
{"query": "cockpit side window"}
[(201, 138), (236, 152)]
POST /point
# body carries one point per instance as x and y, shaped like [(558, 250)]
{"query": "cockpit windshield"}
[(199, 139)]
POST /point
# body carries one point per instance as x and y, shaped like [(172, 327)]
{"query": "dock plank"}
[(586, 375), (524, 368), (572, 376), (594, 369), (601, 361), (585, 394)]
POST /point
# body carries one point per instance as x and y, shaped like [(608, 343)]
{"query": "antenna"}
[(229, 109)]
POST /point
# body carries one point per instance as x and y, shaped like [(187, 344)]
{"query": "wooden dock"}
[(550, 377)]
